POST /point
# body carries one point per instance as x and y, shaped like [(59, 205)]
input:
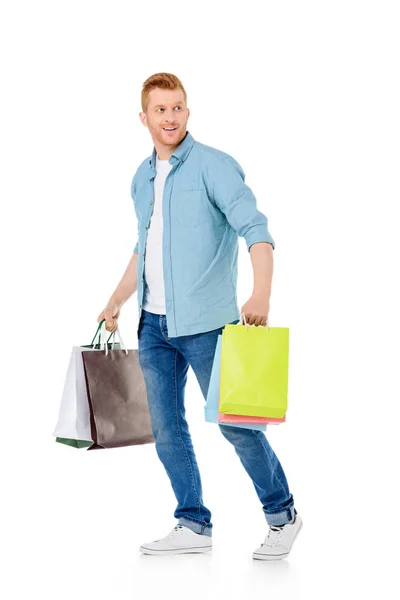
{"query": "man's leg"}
[(252, 447), (165, 374)]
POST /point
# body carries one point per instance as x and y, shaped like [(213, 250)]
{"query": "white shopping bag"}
[(74, 416)]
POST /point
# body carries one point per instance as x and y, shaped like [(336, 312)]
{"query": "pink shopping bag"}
[(243, 419)]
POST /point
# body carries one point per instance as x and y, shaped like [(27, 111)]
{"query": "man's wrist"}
[(114, 301), (262, 292)]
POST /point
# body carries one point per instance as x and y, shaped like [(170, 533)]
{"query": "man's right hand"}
[(110, 314)]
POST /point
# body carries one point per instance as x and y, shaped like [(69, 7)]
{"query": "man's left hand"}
[(256, 309)]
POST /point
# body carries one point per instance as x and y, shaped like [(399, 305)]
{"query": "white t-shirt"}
[(154, 292)]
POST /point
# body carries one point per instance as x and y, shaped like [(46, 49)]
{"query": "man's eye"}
[(175, 107)]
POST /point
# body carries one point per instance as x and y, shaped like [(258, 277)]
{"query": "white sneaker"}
[(180, 540), (279, 540)]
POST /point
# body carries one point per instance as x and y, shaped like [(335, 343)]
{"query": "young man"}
[(191, 203)]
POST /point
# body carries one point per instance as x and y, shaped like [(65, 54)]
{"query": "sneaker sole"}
[(194, 550), (261, 556)]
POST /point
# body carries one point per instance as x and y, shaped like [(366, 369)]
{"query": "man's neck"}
[(164, 152)]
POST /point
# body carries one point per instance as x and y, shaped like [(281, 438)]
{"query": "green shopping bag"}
[(73, 443), (254, 370)]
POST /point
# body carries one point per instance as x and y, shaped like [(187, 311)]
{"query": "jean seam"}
[(180, 434), (162, 333), (270, 465)]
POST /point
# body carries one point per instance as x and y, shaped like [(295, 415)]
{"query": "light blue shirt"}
[(206, 205)]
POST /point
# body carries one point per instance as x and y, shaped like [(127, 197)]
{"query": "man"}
[(191, 203)]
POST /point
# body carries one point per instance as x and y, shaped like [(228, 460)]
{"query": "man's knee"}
[(231, 433)]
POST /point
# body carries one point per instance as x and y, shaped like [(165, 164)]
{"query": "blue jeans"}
[(165, 361)]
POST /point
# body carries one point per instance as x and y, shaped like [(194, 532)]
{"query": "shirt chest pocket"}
[(192, 208)]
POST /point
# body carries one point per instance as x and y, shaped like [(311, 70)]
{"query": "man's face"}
[(166, 109)]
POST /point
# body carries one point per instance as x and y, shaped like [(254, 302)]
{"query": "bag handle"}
[(100, 324), (247, 325), (120, 341), (105, 342)]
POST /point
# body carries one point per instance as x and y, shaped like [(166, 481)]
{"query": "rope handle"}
[(123, 347), (243, 318)]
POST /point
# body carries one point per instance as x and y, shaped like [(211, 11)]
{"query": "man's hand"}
[(110, 314), (256, 309)]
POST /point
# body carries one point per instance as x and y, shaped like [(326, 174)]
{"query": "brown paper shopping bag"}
[(119, 413)]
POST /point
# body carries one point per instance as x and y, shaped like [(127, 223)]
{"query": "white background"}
[(305, 95)]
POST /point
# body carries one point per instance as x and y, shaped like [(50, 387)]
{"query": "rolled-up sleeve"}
[(133, 191), (236, 200)]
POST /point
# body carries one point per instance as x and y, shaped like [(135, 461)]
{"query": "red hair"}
[(165, 81)]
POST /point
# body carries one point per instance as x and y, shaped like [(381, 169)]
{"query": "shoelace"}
[(273, 536), (177, 529)]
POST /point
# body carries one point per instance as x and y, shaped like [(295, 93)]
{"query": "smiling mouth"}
[(170, 129)]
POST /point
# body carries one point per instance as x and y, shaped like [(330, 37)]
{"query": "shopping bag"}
[(73, 425), (254, 370), (74, 443), (212, 401), (119, 413), (229, 419)]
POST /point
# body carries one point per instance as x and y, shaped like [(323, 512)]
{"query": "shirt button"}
[(151, 203), (142, 280), (146, 227)]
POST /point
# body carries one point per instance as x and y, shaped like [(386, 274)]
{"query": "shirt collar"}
[(180, 152)]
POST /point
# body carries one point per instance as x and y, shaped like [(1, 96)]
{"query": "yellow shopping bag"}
[(254, 370)]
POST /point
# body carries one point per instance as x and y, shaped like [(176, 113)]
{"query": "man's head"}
[(164, 106)]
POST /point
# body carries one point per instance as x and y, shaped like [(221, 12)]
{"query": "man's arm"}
[(236, 200), (262, 259), (128, 284), (126, 287), (238, 203)]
